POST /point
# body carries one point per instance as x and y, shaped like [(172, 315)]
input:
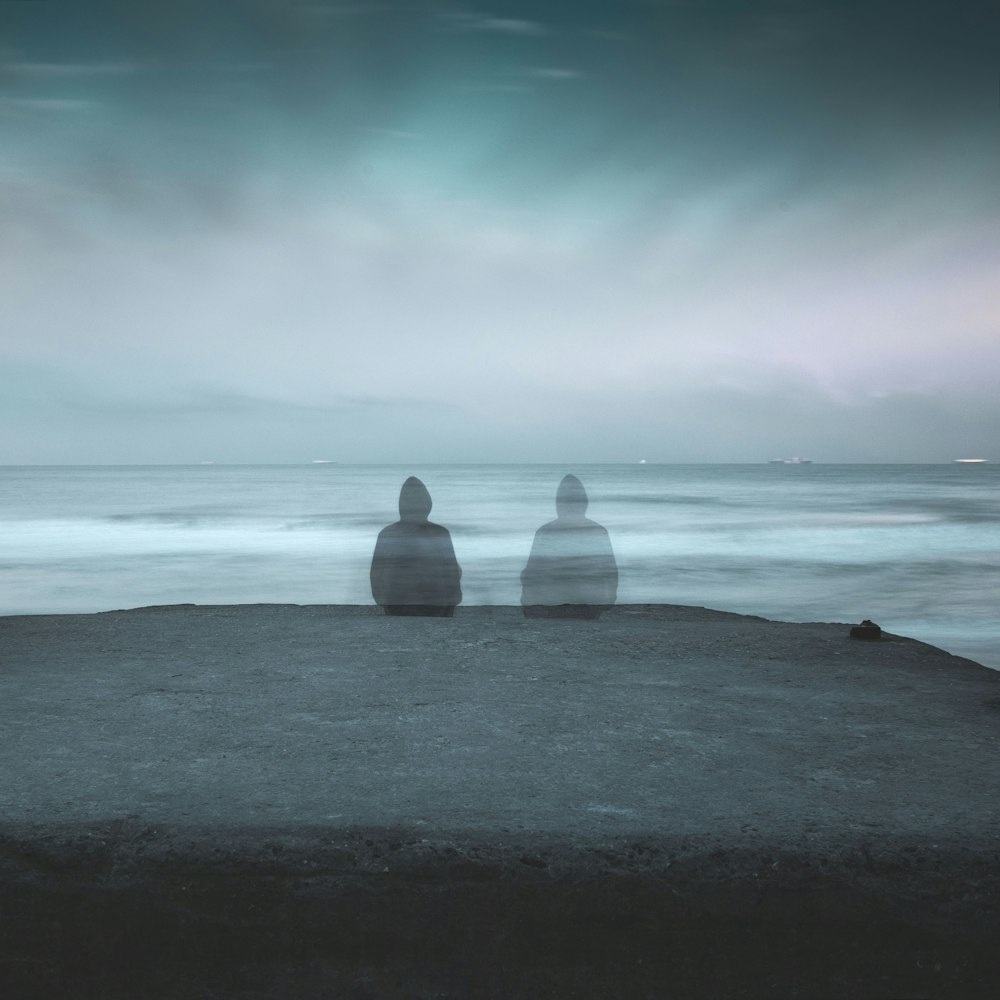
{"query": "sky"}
[(678, 231)]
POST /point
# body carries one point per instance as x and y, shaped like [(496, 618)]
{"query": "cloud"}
[(657, 258), (59, 412), (552, 73), (468, 21), (61, 71), (30, 385), (343, 9), (13, 105), (510, 26)]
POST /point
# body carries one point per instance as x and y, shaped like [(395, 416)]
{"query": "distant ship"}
[(791, 461), (975, 460), (322, 461)]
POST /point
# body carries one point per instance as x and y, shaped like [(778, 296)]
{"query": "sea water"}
[(915, 548)]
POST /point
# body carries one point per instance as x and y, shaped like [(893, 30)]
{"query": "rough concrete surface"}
[(274, 800)]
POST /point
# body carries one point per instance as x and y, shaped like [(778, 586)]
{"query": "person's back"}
[(414, 570), (571, 571)]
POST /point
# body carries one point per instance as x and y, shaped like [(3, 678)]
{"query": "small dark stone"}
[(866, 630)]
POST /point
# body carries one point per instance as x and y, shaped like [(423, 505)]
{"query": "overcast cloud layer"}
[(678, 231)]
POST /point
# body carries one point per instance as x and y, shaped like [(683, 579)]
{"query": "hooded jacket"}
[(414, 561), (571, 560)]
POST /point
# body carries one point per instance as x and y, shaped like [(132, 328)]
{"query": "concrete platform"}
[(273, 800)]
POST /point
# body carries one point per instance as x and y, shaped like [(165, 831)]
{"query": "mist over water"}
[(915, 548)]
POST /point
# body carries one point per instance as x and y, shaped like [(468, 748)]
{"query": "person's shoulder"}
[(435, 529)]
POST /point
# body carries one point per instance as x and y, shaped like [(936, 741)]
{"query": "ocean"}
[(915, 548)]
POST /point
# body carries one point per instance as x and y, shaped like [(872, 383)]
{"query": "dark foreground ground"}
[(282, 801)]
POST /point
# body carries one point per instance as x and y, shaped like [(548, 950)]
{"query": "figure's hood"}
[(571, 498), (414, 501)]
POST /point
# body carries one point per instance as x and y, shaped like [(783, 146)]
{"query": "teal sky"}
[(680, 231)]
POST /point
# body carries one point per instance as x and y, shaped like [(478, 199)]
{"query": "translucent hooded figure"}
[(414, 569), (571, 571)]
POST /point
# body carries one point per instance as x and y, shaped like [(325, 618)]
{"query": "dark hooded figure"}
[(414, 569), (571, 571)]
